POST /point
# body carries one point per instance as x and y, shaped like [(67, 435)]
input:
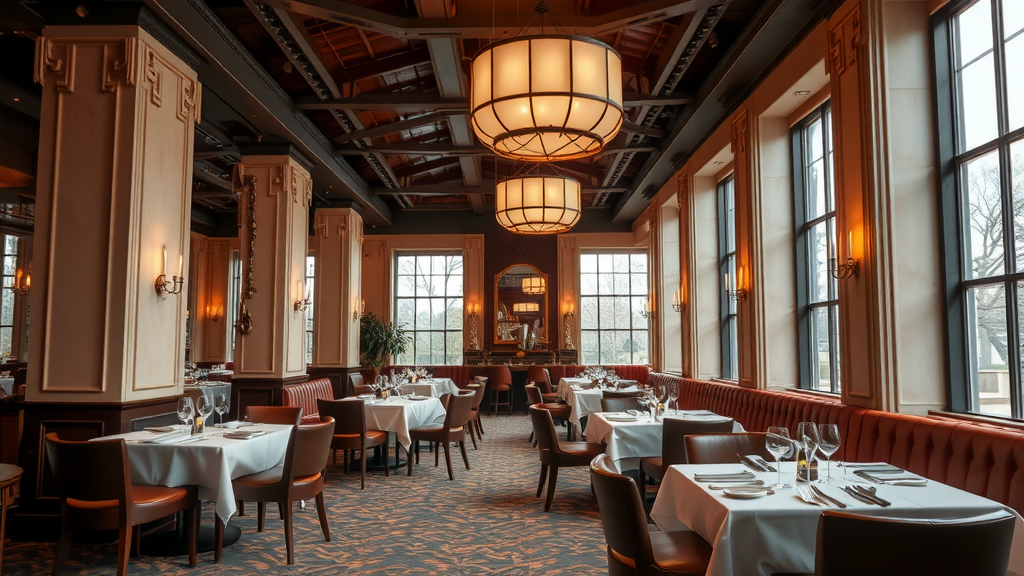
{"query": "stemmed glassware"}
[(221, 404), (828, 443), (807, 434), (204, 406), (185, 410), (673, 395), (778, 443)]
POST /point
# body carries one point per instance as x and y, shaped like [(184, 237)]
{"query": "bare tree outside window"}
[(428, 305)]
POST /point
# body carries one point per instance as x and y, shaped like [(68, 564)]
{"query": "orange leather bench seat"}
[(984, 459), (305, 394)]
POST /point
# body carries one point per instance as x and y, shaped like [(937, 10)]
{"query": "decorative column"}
[(106, 350), (688, 333), (749, 253), (211, 275), (274, 196), (338, 245), (473, 291), (569, 298), (655, 313)]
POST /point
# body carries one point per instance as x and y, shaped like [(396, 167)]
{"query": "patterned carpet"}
[(487, 521)]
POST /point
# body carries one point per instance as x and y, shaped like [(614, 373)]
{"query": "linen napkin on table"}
[(234, 424), (718, 477), (167, 438), (244, 434), (163, 429), (619, 417)]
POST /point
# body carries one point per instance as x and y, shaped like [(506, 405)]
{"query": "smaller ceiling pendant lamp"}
[(537, 204), (546, 98), (522, 307), (533, 285)]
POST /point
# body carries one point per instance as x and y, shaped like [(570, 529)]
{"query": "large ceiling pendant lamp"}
[(546, 98), (537, 204), (533, 285)]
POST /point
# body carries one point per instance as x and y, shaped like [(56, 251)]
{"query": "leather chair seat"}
[(653, 467), (572, 454), (683, 552), (264, 478), (558, 410), (373, 438), (434, 433)]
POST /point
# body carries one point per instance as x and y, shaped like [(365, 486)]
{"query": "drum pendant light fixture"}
[(536, 204), (546, 98)]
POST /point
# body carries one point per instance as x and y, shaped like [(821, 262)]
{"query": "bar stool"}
[(500, 380)]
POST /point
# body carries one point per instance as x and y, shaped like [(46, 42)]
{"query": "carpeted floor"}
[(486, 521)]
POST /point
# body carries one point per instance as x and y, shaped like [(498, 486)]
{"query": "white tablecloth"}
[(7, 385), (398, 415), (210, 463), (628, 442), (777, 533), (434, 388), (583, 402)]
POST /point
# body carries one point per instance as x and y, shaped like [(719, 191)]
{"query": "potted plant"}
[(379, 340)]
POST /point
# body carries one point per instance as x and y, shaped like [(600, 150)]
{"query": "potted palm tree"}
[(379, 340)]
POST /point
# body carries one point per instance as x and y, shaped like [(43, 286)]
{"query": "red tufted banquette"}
[(462, 375), (987, 460), (305, 394)]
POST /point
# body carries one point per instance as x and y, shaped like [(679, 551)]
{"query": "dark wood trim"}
[(256, 391)]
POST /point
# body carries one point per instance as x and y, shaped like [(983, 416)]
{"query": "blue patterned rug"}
[(486, 521)]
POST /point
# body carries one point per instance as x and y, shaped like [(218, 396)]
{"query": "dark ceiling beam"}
[(772, 32), (486, 187), (21, 100), (386, 65), (420, 101), (390, 128), (482, 26), (211, 175), (410, 170), (227, 68)]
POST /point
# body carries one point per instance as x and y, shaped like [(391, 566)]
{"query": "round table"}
[(9, 476)]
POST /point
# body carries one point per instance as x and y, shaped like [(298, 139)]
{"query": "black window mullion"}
[(1013, 355)]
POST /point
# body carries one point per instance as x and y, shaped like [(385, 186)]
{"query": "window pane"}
[(638, 263), (1015, 76), (984, 245), (620, 262), (638, 284), (406, 286), (986, 310), (978, 108), (405, 313), (817, 264), (1017, 184), (453, 307), (975, 25), (588, 284), (1013, 17), (588, 263), (6, 335), (734, 365), (822, 376), (588, 314)]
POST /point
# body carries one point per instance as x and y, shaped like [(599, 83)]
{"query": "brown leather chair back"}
[(348, 414), (723, 448), (622, 515), (533, 395), (616, 404), (355, 380), (854, 545), (312, 446), (109, 474), (540, 376), (621, 394), (544, 428), (673, 446), (274, 414), (460, 406), (499, 378), (478, 389)]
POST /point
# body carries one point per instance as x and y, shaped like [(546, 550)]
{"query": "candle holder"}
[(303, 305), (568, 316), (165, 287), (474, 340), (843, 271)]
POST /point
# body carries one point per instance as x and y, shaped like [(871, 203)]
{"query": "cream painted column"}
[(749, 257), (473, 289), (688, 262), (211, 265), (569, 291), (377, 263), (670, 286), (113, 209), (273, 265), (654, 298), (892, 313), (338, 245), (19, 331)]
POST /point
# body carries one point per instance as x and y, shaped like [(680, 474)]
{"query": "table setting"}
[(584, 393), (761, 517)]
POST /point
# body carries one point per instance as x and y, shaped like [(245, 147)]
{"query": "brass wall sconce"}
[(568, 313), (648, 311), (848, 269), (213, 313), (165, 287), (22, 282), (740, 293), (303, 304), (677, 304), (474, 338), (357, 314)]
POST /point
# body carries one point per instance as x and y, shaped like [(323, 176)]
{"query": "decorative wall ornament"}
[(154, 78), (739, 133), (246, 183), (844, 42), (55, 61)]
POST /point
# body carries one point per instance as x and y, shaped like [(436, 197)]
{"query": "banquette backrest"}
[(462, 375), (305, 394), (987, 460)]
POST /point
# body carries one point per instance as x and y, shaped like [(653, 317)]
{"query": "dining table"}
[(583, 400), (630, 437), (401, 414), (434, 387), (776, 533)]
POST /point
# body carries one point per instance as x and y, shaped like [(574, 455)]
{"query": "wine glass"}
[(185, 409), (221, 404), (807, 435), (204, 406), (643, 402), (828, 443), (673, 395), (778, 443)]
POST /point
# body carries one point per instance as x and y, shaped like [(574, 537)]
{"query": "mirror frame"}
[(544, 311)]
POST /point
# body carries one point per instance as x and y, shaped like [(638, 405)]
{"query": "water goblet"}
[(807, 436), (185, 409), (204, 406), (673, 395), (828, 444), (221, 404), (778, 443)]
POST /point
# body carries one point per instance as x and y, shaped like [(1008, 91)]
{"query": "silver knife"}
[(821, 494), (857, 496), (750, 463), (869, 494)]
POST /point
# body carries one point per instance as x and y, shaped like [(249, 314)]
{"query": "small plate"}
[(745, 492)]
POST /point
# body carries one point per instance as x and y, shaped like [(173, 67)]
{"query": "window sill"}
[(815, 393), (996, 421)]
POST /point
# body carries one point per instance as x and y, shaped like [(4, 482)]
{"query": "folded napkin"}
[(619, 417), (418, 397), (244, 434), (744, 475), (234, 424), (168, 438), (160, 429), (874, 465)]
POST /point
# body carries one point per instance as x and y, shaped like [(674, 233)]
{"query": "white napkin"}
[(168, 438), (743, 475), (244, 434), (234, 424), (163, 429)]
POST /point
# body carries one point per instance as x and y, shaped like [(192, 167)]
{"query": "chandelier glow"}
[(547, 98), (537, 204)]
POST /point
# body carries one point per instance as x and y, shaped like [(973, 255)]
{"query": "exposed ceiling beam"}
[(482, 26), (18, 99), (390, 128), (386, 65), (420, 101), (409, 170), (486, 187)]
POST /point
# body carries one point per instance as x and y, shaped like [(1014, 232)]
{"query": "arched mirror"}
[(521, 306)]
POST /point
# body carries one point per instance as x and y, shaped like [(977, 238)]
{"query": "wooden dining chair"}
[(93, 480), (857, 545), (560, 412), (274, 414), (301, 477), (723, 448), (673, 446), (632, 548), (555, 454), (350, 432), (475, 428), (453, 429)]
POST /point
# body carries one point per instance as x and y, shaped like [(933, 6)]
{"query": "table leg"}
[(3, 524)]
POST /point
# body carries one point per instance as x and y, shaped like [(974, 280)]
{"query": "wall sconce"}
[(850, 268), (648, 311), (303, 304), (677, 303), (163, 286), (740, 293), (213, 313), (568, 313), (22, 285), (474, 338), (357, 314)]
